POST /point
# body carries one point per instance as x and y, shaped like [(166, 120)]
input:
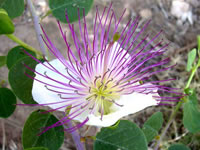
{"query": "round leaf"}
[(37, 148), (198, 42), (178, 147), (59, 7), (153, 125), (15, 54), (19, 82), (191, 113), (14, 8), (6, 25), (191, 58), (125, 136), (7, 102), (51, 139)]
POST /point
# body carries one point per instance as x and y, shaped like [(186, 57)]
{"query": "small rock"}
[(145, 13), (181, 10)]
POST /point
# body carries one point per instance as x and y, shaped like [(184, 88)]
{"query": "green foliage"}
[(152, 126), (19, 82), (59, 7), (51, 139), (7, 102), (14, 8), (2, 60), (15, 54), (191, 113), (178, 147), (37, 148), (6, 25), (125, 136), (191, 58)]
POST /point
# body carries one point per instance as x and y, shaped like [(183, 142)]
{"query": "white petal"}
[(40, 93), (131, 104), (114, 53)]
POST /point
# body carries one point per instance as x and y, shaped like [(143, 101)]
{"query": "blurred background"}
[(180, 20)]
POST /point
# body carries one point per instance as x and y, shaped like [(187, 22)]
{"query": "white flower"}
[(101, 80)]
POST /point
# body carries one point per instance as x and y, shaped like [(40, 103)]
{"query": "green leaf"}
[(6, 25), (19, 82), (51, 139), (14, 8), (198, 42), (2, 60), (191, 59), (191, 113), (152, 126), (59, 7), (1, 2), (178, 147), (126, 136), (37, 148), (7, 102), (15, 54)]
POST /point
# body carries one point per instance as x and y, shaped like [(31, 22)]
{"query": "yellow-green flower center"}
[(104, 93)]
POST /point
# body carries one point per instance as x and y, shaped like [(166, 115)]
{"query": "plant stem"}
[(47, 14), (18, 41), (194, 69), (37, 27), (173, 114), (4, 135), (76, 137)]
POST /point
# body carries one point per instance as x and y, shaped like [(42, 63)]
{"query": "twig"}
[(178, 138), (76, 137), (37, 27), (175, 128), (4, 135), (187, 47)]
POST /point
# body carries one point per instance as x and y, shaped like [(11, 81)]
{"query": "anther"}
[(91, 108), (45, 73), (103, 97), (117, 83), (79, 79), (109, 81), (117, 103), (105, 87), (60, 95), (68, 71), (47, 87), (101, 85), (89, 89), (105, 73)]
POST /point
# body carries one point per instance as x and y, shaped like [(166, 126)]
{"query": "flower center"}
[(104, 94)]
